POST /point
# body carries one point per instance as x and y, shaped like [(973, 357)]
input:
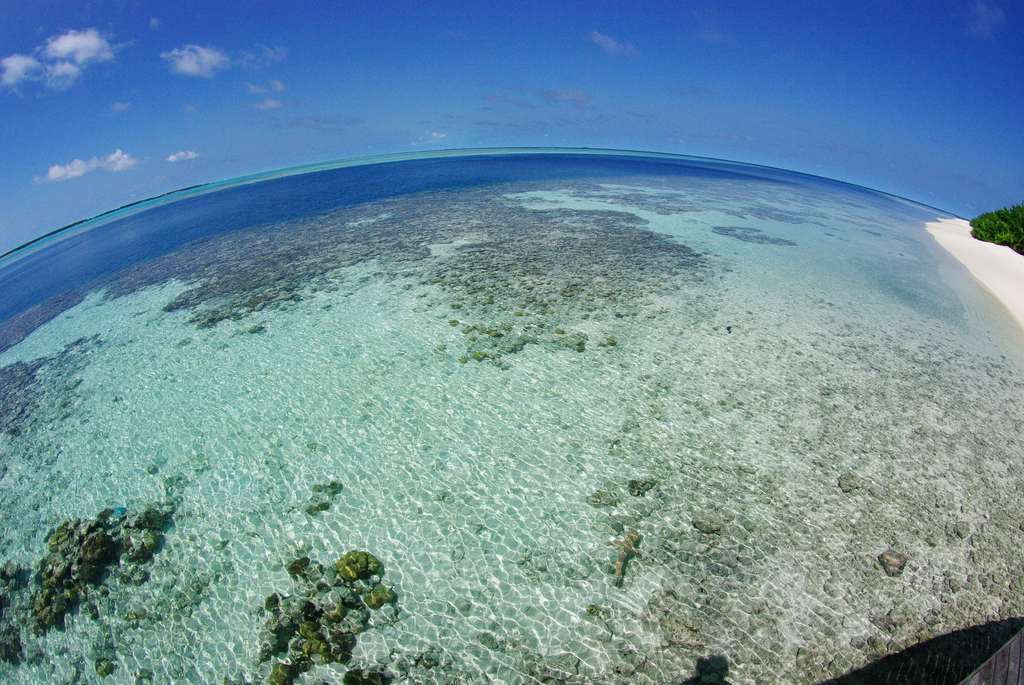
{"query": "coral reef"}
[(750, 235), (12, 580), (357, 565), (105, 667), (638, 487), (319, 624), (26, 386), (600, 498), (356, 676), (378, 596), (323, 495), (81, 553)]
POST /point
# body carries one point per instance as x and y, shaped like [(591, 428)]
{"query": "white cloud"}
[(71, 170), (578, 98), (273, 87), (154, 22), (986, 18), (269, 103), (430, 137), (18, 68), (612, 46), (183, 155), (81, 47), (116, 161), (195, 60), (58, 63), (61, 75), (120, 106), (264, 57)]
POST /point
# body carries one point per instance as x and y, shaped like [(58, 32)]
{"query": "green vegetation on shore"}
[(1003, 227)]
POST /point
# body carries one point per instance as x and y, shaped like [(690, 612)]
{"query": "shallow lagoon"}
[(483, 370)]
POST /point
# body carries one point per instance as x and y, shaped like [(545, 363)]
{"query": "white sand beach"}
[(998, 268)]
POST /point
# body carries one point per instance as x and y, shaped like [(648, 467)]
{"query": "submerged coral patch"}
[(82, 555), (319, 623), (515, 269), (750, 235), (34, 392)]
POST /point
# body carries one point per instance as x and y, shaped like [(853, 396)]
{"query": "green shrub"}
[(1003, 227)]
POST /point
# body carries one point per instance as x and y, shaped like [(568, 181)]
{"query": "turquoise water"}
[(773, 380)]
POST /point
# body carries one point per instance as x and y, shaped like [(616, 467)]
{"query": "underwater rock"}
[(344, 595), (489, 641), (12, 580), (600, 498), (848, 482), (132, 575), (314, 647), (356, 676), (297, 568), (11, 649), (892, 562), (142, 533), (104, 667), (322, 496), (336, 615), (342, 644), (277, 631), (379, 596), (97, 548), (309, 630), (317, 507), (81, 553), (140, 544), (283, 674), (19, 394), (150, 518), (78, 551), (668, 612), (319, 624), (356, 565), (332, 488), (639, 488), (708, 524), (750, 235), (558, 667)]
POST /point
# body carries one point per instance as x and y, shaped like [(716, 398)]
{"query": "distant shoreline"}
[(997, 267)]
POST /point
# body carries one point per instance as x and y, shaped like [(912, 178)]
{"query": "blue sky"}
[(105, 103)]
